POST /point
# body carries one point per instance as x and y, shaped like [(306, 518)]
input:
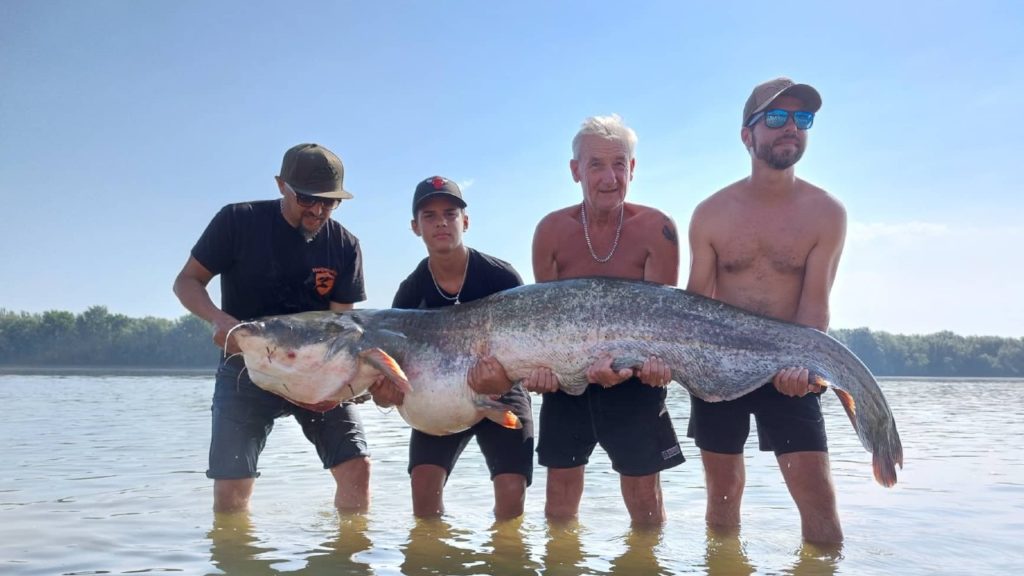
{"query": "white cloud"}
[(916, 230), (866, 231), (921, 277)]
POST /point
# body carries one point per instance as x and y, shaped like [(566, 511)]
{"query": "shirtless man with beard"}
[(770, 243)]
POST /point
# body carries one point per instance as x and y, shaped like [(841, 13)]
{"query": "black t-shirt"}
[(267, 267), (485, 275)]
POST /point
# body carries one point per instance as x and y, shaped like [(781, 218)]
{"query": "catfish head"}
[(314, 359)]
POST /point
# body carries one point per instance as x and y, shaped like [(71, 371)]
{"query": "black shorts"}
[(784, 423), (506, 451), (243, 416), (629, 420)]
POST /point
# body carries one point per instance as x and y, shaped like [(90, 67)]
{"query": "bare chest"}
[(575, 259), (764, 247)]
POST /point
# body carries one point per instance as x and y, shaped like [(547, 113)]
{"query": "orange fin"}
[(885, 469), (387, 365), (819, 380), (849, 404), (504, 419), (498, 412)]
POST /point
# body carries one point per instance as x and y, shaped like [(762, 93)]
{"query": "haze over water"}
[(105, 475)]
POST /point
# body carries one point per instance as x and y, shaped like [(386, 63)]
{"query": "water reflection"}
[(813, 560), (234, 549), (340, 555), (564, 553), (510, 554), (725, 554), (640, 556), (563, 550), (436, 548)]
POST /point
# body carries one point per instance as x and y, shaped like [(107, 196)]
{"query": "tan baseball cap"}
[(766, 93)]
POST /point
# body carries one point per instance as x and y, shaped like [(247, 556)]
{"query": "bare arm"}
[(190, 288), (820, 271), (662, 265), (339, 307), (545, 268), (813, 308), (703, 259)]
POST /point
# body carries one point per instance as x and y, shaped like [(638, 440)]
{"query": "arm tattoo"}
[(669, 232)]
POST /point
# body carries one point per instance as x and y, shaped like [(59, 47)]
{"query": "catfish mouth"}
[(313, 358), (242, 331)]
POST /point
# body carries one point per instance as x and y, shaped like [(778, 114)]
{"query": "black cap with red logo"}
[(433, 186)]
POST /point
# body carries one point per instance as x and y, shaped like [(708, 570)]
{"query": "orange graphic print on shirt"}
[(324, 280)]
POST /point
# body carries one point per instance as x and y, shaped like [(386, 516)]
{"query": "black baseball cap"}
[(312, 170), (434, 186)]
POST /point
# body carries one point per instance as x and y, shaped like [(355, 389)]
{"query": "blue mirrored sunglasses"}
[(777, 118)]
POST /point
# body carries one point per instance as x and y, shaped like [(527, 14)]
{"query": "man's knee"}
[(510, 486), (353, 484), (643, 498), (231, 496), (427, 482), (724, 474), (564, 490), (509, 495)]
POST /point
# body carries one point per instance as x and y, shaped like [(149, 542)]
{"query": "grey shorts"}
[(244, 414), (629, 420), (506, 451)]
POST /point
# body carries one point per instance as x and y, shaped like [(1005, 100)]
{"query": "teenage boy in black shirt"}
[(452, 274)]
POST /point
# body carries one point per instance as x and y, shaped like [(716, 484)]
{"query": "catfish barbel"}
[(715, 350)]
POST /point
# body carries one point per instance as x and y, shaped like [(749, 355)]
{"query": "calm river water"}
[(105, 475)]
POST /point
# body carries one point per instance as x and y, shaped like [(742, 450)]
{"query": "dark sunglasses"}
[(307, 201), (777, 118)]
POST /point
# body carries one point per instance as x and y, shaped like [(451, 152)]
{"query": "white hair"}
[(607, 127)]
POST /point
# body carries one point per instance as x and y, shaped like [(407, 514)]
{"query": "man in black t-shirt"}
[(278, 257), (451, 274)]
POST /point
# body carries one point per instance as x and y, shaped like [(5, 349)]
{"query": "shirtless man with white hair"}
[(603, 235)]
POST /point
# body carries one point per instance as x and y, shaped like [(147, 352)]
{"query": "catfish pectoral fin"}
[(850, 405), (387, 365), (497, 412), (504, 419)]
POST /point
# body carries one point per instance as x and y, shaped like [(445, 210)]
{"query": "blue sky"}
[(125, 125)]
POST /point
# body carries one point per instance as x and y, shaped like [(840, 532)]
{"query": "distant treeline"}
[(939, 354), (98, 338)]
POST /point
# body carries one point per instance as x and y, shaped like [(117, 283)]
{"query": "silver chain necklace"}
[(586, 233), (437, 287)]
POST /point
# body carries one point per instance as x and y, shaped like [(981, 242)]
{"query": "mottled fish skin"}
[(716, 351)]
